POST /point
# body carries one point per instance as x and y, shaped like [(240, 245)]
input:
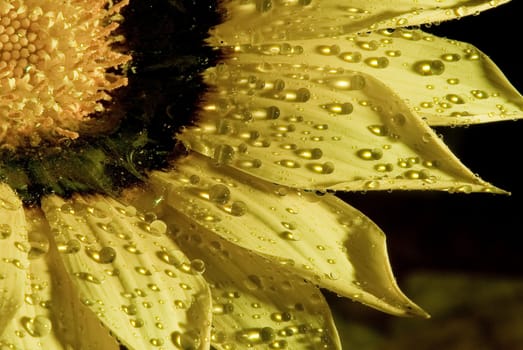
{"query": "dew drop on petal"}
[(355, 82), (328, 50), (223, 154), (309, 153), (369, 154), (5, 231), (288, 163), (219, 194), (378, 130), (197, 266), (187, 340), (450, 57), (254, 336), (454, 99), (427, 67), (479, 94), (106, 255), (70, 247), (377, 62), (351, 57), (321, 168), (338, 108)]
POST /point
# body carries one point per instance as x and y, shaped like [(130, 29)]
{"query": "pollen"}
[(57, 66)]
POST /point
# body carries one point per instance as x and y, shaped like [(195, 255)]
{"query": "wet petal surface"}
[(444, 81), (255, 21), (255, 302), (50, 316), (318, 237), (319, 127), (129, 272)]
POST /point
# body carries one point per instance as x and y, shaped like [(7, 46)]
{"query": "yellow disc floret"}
[(54, 61)]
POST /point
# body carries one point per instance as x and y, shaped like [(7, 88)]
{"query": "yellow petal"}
[(255, 21), (313, 126), (13, 262), (255, 302), (50, 316), (320, 238), (445, 81), (129, 273)]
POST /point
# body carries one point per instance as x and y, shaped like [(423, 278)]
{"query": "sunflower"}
[(124, 225)]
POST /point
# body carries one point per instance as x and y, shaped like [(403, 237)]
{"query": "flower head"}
[(230, 244), (54, 68)]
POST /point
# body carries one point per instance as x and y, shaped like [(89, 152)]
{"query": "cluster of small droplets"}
[(203, 194), (438, 70), (112, 249), (279, 112), (308, 19), (291, 120), (53, 68), (245, 285)]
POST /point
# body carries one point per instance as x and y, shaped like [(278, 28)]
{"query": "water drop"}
[(355, 82), (189, 340), (288, 163), (5, 231), (290, 236), (223, 154), (351, 57), (369, 154), (156, 341), (454, 99), (253, 336), (368, 45), (143, 271), (70, 247), (281, 316), (479, 94), (378, 130), (339, 108), (393, 53), (219, 194), (37, 327), (198, 266), (136, 323), (321, 168), (377, 62), (450, 57), (237, 208), (327, 50), (309, 153), (427, 67)]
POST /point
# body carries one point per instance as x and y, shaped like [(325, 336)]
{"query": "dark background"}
[(476, 233)]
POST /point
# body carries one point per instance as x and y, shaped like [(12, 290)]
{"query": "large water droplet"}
[(5, 231), (339, 108), (369, 154), (70, 247), (351, 57), (309, 153), (37, 327), (427, 67), (219, 194), (355, 82), (223, 154), (253, 336), (106, 255)]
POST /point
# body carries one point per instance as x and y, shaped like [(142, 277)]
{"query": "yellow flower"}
[(231, 244), (54, 68)]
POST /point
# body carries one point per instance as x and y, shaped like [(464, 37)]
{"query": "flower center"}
[(54, 61), (67, 122)]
